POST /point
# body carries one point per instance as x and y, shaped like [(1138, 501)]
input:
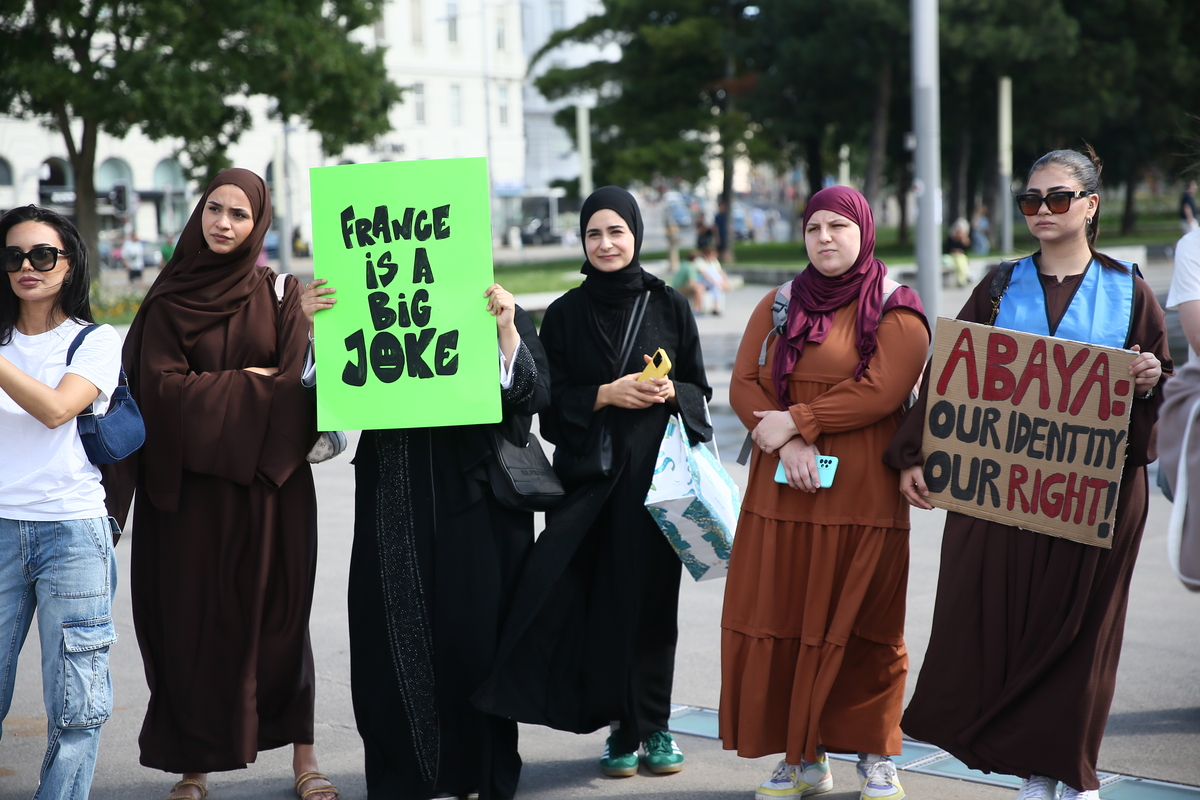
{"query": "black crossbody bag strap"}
[(999, 286), (631, 330)]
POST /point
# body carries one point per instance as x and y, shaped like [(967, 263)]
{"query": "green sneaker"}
[(616, 764), (663, 756)]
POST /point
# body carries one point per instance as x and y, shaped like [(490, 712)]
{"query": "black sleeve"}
[(692, 391), (566, 420), (530, 390)]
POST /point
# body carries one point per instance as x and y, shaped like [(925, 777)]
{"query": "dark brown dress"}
[(222, 585), (1022, 660)]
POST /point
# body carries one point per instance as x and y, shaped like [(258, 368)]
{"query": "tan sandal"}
[(304, 777), (187, 782)]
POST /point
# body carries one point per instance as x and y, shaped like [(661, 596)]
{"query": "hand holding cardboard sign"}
[(912, 486), (1146, 369)]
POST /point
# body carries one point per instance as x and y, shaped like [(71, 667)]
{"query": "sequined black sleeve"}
[(524, 377)]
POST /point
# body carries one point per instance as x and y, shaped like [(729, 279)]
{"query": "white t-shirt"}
[(132, 253), (45, 474), (1185, 282)]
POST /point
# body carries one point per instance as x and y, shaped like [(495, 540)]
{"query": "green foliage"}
[(662, 108), (186, 69), (115, 307), (805, 77)]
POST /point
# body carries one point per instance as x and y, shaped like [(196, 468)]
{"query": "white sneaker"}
[(1038, 787), (791, 781), (879, 780), (1074, 794)]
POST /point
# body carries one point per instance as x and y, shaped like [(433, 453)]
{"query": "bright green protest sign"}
[(409, 343)]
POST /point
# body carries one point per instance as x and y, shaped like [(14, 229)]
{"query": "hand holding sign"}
[(1146, 369), (316, 297), (912, 486), (503, 307)]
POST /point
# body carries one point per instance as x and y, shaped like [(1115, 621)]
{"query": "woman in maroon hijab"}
[(225, 550), (812, 647)]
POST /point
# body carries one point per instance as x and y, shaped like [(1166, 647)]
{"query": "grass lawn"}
[(553, 276), (1150, 231)]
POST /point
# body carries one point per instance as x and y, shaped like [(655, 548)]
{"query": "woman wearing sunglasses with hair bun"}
[(56, 555), (1022, 659)]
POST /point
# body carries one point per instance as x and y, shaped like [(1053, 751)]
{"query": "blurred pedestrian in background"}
[(1189, 217), (980, 229), (958, 242), (133, 253)]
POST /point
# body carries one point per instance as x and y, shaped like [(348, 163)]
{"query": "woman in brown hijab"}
[(224, 552)]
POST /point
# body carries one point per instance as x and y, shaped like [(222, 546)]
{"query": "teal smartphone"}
[(826, 469)]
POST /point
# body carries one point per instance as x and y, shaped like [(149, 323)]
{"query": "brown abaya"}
[(1022, 660), (224, 535)]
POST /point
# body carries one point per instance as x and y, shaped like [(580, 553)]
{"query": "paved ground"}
[(1154, 730)]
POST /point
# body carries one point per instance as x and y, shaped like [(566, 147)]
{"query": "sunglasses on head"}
[(1057, 202), (43, 258)]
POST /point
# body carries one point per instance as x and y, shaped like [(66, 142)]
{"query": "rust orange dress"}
[(812, 641)]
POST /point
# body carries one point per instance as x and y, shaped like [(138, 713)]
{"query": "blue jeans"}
[(67, 572)]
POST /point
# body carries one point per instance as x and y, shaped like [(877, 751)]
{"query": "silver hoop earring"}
[(1089, 220)]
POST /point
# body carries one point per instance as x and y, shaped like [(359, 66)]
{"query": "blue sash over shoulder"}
[(1101, 312)]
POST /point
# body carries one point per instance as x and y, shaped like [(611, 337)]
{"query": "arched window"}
[(112, 172), (169, 173), (57, 173), (6, 175)]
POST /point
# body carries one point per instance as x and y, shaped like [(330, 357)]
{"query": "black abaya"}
[(434, 561), (591, 634)]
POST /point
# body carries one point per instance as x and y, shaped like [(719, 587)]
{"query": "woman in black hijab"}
[(590, 639)]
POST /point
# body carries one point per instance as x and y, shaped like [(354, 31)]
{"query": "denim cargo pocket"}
[(82, 549), (87, 684)]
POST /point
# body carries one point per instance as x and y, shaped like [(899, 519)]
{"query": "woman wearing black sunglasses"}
[(1022, 659), (56, 556)]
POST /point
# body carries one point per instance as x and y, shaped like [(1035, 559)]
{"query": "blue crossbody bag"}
[(110, 437)]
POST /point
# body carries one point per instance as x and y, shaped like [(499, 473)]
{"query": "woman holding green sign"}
[(435, 558), (1022, 660), (590, 639)]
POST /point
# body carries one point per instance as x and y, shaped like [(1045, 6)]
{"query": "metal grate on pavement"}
[(930, 760)]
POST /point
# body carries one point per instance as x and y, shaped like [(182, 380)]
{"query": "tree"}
[(830, 74), (668, 104), (183, 68)]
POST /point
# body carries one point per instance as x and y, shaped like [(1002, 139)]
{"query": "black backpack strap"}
[(999, 286), (79, 337)]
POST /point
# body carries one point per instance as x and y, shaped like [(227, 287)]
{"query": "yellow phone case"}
[(659, 366)]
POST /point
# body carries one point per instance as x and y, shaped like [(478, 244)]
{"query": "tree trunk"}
[(83, 163), (816, 170), (1129, 215), (727, 155), (877, 153), (905, 183), (962, 162)]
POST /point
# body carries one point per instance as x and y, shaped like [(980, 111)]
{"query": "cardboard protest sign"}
[(1027, 430), (409, 343)]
